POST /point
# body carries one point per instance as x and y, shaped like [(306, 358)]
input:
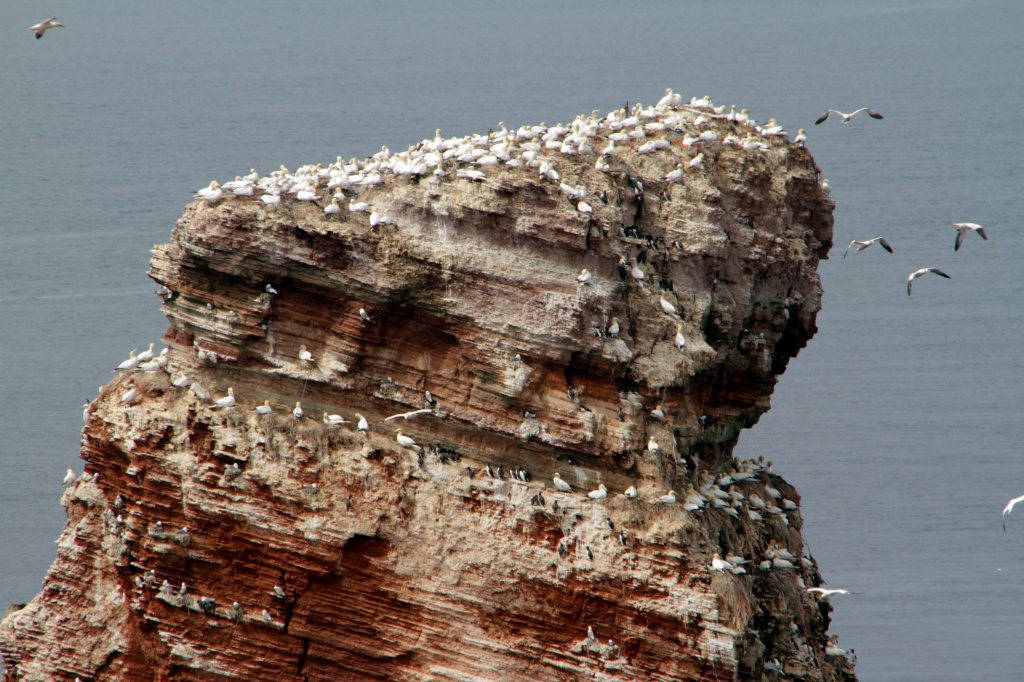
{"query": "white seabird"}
[(666, 305), (680, 339), (226, 401), (859, 245), (630, 492), (305, 355), (131, 363), (69, 478), (668, 498), (409, 415), (146, 355), (405, 441), (561, 483), (42, 27), (1009, 508), (652, 445), (362, 424), (297, 412), (129, 396), (718, 564), (584, 277), (265, 408), (824, 592), (334, 419), (923, 271), (365, 315), (963, 228), (180, 381), (847, 117), (599, 494)]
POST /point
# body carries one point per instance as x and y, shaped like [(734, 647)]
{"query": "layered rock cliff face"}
[(352, 557)]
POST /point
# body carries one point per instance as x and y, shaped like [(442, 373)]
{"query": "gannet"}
[(801, 137), (267, 617), (211, 193), (717, 564), (146, 355), (297, 412), (858, 245), (1009, 508), (131, 363), (630, 492), (668, 498), (599, 494), (358, 206), (180, 381), (279, 592), (658, 413), (652, 445), (674, 175), (363, 314), (405, 441), (270, 289), (333, 208), (69, 478), (305, 355), (923, 271), (130, 395), (561, 484), (408, 415), (334, 419), (613, 327), (961, 230), (666, 305), (226, 401), (847, 117), (680, 340), (43, 26), (826, 592), (584, 277), (270, 199), (697, 161)]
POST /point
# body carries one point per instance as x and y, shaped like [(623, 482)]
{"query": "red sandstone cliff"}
[(403, 565)]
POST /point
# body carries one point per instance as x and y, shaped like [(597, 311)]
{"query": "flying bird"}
[(858, 245), (961, 230), (1009, 508), (43, 26), (923, 271), (408, 415), (847, 117)]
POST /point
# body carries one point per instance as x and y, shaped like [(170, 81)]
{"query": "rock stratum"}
[(209, 543)]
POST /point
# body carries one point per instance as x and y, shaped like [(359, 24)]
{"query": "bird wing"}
[(407, 415), (981, 232), (940, 273), (910, 283), (823, 117), (884, 244), (873, 114), (848, 248), (960, 232)]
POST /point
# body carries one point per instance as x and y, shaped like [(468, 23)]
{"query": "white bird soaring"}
[(561, 484), (226, 401), (859, 246), (846, 117), (824, 592), (408, 415), (923, 271), (963, 228), (42, 27), (1009, 508)]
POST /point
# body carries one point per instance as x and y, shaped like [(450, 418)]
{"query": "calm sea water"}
[(900, 423)]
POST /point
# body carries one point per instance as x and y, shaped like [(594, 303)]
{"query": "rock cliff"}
[(555, 300)]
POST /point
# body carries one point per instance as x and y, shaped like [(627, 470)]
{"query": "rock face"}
[(352, 557)]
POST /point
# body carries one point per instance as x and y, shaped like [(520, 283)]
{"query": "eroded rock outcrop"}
[(294, 550)]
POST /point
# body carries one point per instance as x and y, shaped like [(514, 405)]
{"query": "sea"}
[(900, 423)]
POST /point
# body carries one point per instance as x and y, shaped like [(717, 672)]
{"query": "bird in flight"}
[(962, 229), (861, 245), (1009, 508), (43, 26), (847, 117), (923, 271)]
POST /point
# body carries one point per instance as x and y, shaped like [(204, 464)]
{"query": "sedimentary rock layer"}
[(352, 557)]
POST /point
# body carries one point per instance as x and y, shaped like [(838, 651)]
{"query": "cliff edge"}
[(610, 301)]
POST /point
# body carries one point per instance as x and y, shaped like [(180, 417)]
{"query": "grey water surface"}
[(900, 423)]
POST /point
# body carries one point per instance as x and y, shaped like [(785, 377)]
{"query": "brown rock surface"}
[(405, 565)]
